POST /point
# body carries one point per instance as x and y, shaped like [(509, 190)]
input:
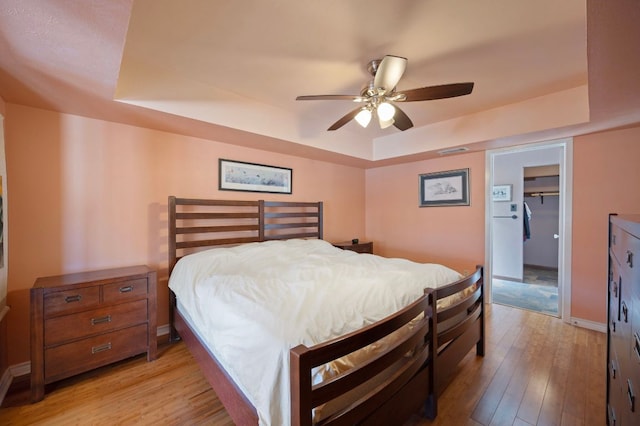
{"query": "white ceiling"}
[(242, 64), (230, 68)]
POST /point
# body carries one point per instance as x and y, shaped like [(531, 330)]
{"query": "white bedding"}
[(252, 303)]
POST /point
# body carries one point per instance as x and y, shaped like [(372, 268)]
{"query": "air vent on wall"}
[(453, 150)]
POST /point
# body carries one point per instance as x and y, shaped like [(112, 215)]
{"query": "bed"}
[(376, 366)]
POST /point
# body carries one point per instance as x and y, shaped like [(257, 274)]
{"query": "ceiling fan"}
[(380, 94)]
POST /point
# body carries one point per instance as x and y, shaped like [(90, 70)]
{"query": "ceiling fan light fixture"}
[(386, 111), (363, 117), (380, 97), (385, 123)]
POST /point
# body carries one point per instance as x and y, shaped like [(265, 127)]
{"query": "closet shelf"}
[(541, 193)]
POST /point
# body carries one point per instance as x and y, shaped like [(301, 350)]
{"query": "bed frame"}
[(412, 382)]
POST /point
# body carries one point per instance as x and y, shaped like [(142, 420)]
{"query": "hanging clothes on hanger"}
[(526, 217)]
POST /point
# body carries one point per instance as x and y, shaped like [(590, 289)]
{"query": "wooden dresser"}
[(623, 338), (359, 247), (86, 320)]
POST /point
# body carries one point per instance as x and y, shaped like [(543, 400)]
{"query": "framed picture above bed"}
[(450, 188), (252, 177)]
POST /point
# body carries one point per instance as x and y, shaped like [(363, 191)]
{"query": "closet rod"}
[(540, 194)]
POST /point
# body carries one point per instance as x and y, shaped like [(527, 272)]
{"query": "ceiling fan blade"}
[(344, 120), (353, 98), (402, 120), (436, 92), (389, 72)]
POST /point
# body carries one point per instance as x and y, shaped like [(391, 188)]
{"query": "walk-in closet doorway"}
[(528, 262)]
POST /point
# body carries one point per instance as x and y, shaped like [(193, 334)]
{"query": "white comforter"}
[(252, 303)]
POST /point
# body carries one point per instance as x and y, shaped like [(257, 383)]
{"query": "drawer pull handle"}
[(630, 258), (101, 348), (636, 346), (101, 320), (612, 416), (126, 289), (613, 326), (625, 311), (632, 397), (613, 370), (75, 298)]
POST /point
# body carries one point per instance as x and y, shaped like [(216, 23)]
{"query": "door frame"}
[(565, 218)]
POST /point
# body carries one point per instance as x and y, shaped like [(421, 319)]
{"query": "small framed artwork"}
[(251, 177), (501, 193), (449, 188)]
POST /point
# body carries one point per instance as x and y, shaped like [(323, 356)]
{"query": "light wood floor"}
[(537, 370)]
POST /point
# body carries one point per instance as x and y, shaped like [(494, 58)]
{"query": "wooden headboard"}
[(195, 224)]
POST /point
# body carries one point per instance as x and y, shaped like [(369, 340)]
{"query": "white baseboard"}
[(5, 383), (4, 311), (591, 325), (21, 369), (12, 372), (504, 278), (24, 369)]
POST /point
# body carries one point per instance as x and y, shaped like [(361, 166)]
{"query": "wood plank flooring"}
[(537, 371)]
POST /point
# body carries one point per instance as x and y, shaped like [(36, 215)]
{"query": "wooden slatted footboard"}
[(460, 325), (390, 386)]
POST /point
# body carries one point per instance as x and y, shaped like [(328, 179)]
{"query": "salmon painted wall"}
[(3, 195), (606, 173), (90, 194), (453, 236), (4, 347)]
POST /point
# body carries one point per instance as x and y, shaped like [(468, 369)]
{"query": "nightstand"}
[(360, 247), (87, 320)]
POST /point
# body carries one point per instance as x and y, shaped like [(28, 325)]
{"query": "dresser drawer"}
[(630, 260), (627, 251), (634, 358), (126, 290), (69, 301), (359, 247), (615, 240), (66, 360), (615, 382), (362, 248), (612, 417), (614, 290), (72, 327), (620, 338)]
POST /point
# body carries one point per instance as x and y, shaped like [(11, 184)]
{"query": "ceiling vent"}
[(453, 150)]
